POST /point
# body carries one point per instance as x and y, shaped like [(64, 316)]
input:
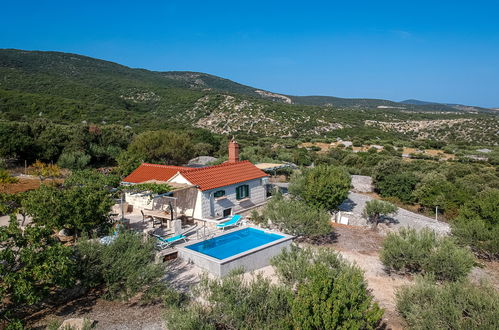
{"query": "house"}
[(211, 192)]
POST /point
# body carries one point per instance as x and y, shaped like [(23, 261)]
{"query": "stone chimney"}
[(233, 151)]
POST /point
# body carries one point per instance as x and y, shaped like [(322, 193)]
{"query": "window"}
[(242, 191), (219, 193)]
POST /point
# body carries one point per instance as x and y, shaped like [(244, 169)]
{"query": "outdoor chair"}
[(154, 220), (232, 222), (146, 217)]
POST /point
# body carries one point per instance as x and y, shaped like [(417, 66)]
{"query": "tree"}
[(297, 218), (323, 186), (127, 163), (376, 209), (33, 263), (387, 167), (478, 224), (435, 190), (78, 206), (163, 146), (400, 185)]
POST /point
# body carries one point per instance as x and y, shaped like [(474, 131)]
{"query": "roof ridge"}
[(162, 165), (224, 164)]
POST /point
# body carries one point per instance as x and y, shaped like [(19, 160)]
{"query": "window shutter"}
[(238, 193)]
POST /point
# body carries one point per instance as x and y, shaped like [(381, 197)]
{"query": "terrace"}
[(181, 236)]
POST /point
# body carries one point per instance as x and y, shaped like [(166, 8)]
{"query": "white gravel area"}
[(404, 218)]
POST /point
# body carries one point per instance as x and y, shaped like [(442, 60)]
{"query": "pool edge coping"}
[(285, 238)]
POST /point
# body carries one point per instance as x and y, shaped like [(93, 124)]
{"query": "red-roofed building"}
[(147, 172), (222, 190)]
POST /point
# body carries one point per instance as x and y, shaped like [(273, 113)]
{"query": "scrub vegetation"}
[(312, 295)]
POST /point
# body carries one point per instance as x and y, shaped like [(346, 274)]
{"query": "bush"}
[(45, 170), (340, 302), (330, 294), (410, 251), (324, 187), (478, 224), (5, 177), (234, 303), (76, 160), (292, 265), (319, 291), (125, 267), (80, 208), (453, 305), (296, 218), (400, 185), (33, 264)]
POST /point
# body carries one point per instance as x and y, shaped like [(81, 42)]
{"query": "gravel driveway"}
[(356, 202)]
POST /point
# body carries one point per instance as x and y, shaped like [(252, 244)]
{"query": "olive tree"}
[(376, 209)]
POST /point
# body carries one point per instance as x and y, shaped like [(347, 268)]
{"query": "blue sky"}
[(443, 51)]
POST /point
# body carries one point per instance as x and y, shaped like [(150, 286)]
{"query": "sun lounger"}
[(164, 243), (234, 221)]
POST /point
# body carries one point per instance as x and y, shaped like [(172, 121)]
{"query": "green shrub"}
[(125, 267), (319, 291), (5, 177), (452, 305), (235, 303), (292, 265), (331, 293), (324, 187), (194, 316), (398, 184), (411, 251), (335, 302), (478, 224), (76, 160), (296, 218)]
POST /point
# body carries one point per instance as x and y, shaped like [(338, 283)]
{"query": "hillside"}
[(72, 88)]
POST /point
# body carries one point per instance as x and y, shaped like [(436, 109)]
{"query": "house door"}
[(227, 212)]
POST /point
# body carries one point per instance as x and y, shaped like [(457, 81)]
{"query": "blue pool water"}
[(228, 245)]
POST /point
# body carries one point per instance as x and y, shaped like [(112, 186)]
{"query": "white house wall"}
[(179, 178), (257, 195), (139, 201)]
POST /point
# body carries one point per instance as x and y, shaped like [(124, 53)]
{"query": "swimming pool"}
[(228, 245), (248, 248)]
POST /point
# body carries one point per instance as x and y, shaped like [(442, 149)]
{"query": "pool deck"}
[(249, 260)]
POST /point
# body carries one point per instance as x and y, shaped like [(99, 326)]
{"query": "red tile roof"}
[(225, 174), (146, 172), (205, 178)]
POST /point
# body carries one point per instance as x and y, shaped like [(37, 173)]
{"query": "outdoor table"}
[(162, 215)]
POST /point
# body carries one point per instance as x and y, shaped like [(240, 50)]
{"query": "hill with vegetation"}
[(69, 88)]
